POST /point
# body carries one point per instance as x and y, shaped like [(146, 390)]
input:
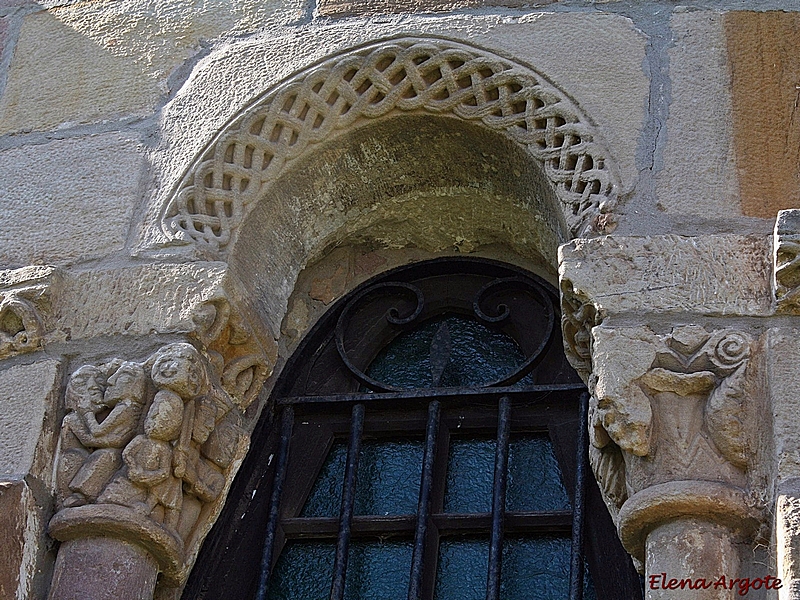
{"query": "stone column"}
[(679, 410)]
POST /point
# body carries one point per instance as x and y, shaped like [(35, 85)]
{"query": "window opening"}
[(429, 442)]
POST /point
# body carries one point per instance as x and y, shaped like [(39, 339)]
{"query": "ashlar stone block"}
[(28, 401), (68, 200), (709, 275)]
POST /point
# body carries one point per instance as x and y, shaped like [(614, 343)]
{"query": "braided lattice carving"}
[(402, 75)]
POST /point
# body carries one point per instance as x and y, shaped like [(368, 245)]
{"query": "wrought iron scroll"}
[(488, 308), (503, 313)]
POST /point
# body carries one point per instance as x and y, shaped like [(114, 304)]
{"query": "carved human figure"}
[(148, 458), (99, 424)]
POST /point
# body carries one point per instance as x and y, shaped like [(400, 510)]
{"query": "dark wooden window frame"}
[(319, 398)]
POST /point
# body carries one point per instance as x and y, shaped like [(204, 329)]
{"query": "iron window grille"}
[(325, 393)]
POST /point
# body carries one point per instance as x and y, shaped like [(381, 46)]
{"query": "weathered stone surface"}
[(28, 401), (343, 8), (22, 543), (787, 537), (68, 200), (783, 350), (137, 300), (764, 54), (709, 275), (786, 246), (83, 567), (699, 174), (80, 63)]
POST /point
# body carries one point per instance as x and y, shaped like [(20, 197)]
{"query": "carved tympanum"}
[(146, 452)]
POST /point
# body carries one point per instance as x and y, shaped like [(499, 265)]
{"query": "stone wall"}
[(684, 117)]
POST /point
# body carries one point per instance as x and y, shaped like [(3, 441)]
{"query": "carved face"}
[(179, 367), (85, 389), (127, 382)]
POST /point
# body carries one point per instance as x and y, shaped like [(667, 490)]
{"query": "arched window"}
[(426, 440)]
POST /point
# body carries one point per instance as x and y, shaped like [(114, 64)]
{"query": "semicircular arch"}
[(406, 75)]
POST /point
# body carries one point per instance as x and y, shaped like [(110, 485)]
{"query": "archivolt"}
[(435, 76)]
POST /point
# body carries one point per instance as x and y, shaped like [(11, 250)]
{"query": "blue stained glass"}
[(303, 572), (388, 477), (378, 571), (325, 499), (538, 568), (478, 355), (470, 474), (461, 570), (534, 479)]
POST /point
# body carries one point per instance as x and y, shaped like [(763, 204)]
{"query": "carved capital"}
[(578, 316), (147, 452), (670, 408)]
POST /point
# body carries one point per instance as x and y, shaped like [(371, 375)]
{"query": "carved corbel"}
[(147, 452), (24, 301)]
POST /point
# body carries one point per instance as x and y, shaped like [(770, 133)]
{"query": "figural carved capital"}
[(147, 452), (669, 420)]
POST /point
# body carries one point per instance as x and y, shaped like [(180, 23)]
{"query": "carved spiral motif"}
[(439, 77), (731, 349)]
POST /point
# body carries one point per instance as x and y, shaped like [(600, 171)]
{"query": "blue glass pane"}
[(534, 479), (325, 499), (477, 355), (470, 474), (388, 477), (303, 572), (461, 570), (538, 568), (378, 571)]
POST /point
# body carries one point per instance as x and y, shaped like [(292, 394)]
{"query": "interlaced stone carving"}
[(146, 453), (399, 76)]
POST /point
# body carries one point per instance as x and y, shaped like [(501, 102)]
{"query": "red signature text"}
[(742, 585)]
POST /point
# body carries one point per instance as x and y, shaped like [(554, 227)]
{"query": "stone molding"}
[(147, 452), (440, 77)]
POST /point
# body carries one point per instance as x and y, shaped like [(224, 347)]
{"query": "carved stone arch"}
[(399, 76)]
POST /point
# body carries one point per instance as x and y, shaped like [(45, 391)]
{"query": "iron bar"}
[(499, 499), (287, 423), (348, 501), (424, 506), (465, 395), (576, 565), (404, 526)]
